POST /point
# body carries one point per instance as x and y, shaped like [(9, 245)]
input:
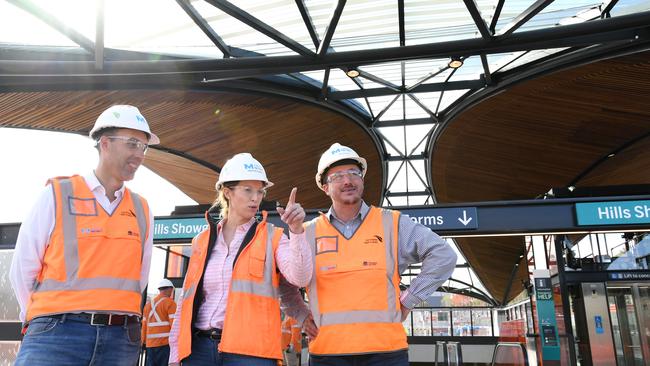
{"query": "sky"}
[(31, 157)]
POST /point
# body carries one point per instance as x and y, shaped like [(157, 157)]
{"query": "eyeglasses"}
[(131, 143), (250, 192), (339, 176)]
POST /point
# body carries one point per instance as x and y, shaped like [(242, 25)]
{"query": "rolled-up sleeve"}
[(417, 243)]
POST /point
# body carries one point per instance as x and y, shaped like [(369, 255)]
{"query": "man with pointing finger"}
[(356, 308)]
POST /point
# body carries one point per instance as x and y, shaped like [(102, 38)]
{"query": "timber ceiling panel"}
[(286, 136), (541, 134)]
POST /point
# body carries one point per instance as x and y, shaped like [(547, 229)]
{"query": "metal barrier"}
[(510, 353), (445, 359), (452, 353)]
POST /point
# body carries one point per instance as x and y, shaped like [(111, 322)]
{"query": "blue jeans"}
[(205, 353), (397, 358), (158, 356), (66, 342)]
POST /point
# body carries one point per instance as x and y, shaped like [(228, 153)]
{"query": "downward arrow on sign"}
[(465, 220)]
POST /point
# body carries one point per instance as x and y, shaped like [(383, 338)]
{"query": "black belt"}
[(99, 318), (213, 333)]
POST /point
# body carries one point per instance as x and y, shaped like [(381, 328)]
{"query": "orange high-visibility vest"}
[(291, 333), (157, 319), (354, 293), (93, 260), (252, 323)]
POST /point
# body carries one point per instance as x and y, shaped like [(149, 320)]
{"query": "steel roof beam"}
[(55, 23), (405, 122), (628, 28), (608, 9), (331, 28), (304, 13), (260, 26), (402, 27), (495, 17), (525, 16), (478, 19), (423, 88), (204, 26)]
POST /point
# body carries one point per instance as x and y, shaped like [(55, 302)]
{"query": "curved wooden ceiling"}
[(553, 131), (204, 129)]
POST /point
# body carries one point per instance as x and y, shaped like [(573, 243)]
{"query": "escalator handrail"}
[(510, 344)]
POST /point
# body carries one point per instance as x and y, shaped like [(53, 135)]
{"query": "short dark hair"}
[(104, 132), (323, 177)]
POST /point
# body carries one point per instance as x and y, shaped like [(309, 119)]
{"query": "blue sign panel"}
[(456, 218), (176, 228), (613, 213)]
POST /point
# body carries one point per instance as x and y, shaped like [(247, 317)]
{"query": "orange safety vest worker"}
[(354, 293), (157, 320), (93, 260), (252, 323), (291, 333)]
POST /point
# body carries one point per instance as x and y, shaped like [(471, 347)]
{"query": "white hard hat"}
[(165, 283), (242, 167), (124, 116), (338, 152)]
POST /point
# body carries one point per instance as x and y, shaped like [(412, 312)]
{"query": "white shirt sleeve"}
[(32, 240), (146, 254)]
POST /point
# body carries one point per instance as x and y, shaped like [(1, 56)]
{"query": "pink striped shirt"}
[(293, 258)]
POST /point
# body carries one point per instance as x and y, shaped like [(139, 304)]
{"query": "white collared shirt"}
[(35, 232)]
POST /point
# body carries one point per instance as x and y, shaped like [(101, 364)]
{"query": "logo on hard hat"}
[(340, 150), (140, 118), (253, 167), (116, 114)]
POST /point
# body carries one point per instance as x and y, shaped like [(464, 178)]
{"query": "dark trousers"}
[(397, 358), (158, 356)]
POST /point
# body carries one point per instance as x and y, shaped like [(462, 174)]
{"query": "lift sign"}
[(613, 213)]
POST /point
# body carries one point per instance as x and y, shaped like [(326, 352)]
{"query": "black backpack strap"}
[(247, 239)]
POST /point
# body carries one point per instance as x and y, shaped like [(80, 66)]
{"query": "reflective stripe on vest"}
[(71, 251), (265, 288), (158, 335), (391, 315)]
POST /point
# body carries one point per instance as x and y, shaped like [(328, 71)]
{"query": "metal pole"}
[(564, 291)]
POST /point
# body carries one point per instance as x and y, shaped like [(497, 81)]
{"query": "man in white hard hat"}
[(83, 253), (356, 308), (157, 319)]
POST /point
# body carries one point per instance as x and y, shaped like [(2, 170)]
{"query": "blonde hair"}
[(222, 201)]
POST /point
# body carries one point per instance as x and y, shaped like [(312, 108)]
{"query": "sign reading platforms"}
[(456, 218), (613, 213)]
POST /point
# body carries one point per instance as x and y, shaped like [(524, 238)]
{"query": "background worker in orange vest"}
[(83, 254), (157, 319), (356, 308), (291, 341), (230, 313)]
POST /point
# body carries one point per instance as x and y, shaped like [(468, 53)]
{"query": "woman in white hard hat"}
[(230, 313)]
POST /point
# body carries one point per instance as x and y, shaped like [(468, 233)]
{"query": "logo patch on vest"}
[(328, 268), (369, 263), (376, 239), (88, 230), (132, 233), (128, 213)]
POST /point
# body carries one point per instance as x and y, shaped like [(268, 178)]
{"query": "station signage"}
[(629, 276), (613, 213), (178, 228), (456, 218)]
